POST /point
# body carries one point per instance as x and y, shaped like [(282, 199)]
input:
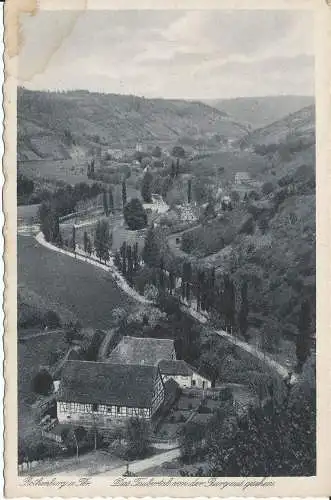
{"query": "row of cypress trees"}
[(127, 260)]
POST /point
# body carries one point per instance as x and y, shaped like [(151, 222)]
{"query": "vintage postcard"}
[(167, 248)]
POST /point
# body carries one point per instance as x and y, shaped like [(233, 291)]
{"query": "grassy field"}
[(68, 171), (32, 308), (89, 293), (225, 164), (25, 212)]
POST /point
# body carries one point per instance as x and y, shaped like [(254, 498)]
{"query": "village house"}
[(142, 351), (115, 154), (105, 395), (242, 178), (186, 213), (184, 374), (141, 148), (158, 205)]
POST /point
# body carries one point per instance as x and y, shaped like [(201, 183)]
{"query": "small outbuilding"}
[(185, 375)]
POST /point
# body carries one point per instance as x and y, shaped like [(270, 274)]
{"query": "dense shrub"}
[(203, 408), (248, 226), (42, 382), (138, 436), (267, 188), (135, 215), (157, 152), (51, 320), (144, 277), (25, 187), (178, 151)]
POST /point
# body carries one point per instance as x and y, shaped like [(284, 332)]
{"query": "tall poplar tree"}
[(102, 241), (177, 167), (89, 246), (151, 251), (210, 290), (111, 200), (85, 241), (202, 291), (117, 260), (173, 170), (129, 264), (105, 204), (162, 275), (124, 197), (74, 238), (189, 191), (229, 302), (146, 187), (124, 258), (135, 257), (172, 280), (243, 313)]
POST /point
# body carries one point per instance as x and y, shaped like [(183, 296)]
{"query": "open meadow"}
[(68, 171), (88, 292)]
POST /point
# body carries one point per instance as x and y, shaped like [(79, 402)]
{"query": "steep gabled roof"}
[(175, 367), (141, 351), (178, 367), (91, 382)]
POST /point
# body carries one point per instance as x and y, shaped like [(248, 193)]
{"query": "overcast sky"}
[(172, 54)]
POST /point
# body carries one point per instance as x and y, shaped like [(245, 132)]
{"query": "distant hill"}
[(59, 125), (260, 111), (295, 126)]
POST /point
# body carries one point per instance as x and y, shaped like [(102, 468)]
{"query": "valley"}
[(209, 219)]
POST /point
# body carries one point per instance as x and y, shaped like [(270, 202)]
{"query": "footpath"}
[(84, 468), (147, 463), (123, 284)]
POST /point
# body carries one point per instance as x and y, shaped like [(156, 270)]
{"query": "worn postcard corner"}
[(167, 248)]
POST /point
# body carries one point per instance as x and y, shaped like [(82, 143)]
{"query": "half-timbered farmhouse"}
[(184, 374), (105, 394), (142, 351)]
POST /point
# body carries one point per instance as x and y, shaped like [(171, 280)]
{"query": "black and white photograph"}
[(166, 244)]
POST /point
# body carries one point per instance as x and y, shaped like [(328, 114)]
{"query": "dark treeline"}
[(64, 199), (226, 302), (108, 201), (25, 188), (60, 203), (127, 260)]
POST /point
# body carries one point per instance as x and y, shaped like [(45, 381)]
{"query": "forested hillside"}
[(295, 126), (59, 125)]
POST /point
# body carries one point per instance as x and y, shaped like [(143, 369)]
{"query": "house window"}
[(193, 382), (94, 407), (109, 409), (118, 409)]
